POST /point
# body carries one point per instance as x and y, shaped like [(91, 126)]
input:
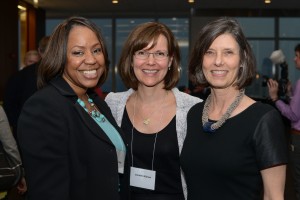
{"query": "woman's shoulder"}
[(258, 111), (260, 107), (47, 97), (117, 99), (3, 116), (118, 96), (1, 110)]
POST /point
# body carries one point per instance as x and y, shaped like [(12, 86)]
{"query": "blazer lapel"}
[(91, 124), (64, 88)]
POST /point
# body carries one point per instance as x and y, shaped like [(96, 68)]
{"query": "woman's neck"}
[(148, 95), (221, 99)]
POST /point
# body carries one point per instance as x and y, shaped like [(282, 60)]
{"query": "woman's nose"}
[(219, 60), (90, 58), (151, 58)]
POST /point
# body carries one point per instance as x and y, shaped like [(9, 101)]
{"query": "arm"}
[(43, 138), (7, 139), (273, 89), (10, 146), (291, 110), (271, 152), (274, 181)]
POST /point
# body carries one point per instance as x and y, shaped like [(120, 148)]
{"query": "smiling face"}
[(221, 62), (151, 72), (85, 60)]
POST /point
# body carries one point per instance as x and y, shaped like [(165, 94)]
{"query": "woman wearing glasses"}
[(152, 113)]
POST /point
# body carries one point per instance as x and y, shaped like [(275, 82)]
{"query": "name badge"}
[(142, 178), (121, 161)]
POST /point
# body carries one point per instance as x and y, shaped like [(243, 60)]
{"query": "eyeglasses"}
[(159, 55)]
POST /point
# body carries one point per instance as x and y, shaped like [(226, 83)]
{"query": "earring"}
[(169, 68)]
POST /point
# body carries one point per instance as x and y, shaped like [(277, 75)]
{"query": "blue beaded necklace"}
[(212, 126)]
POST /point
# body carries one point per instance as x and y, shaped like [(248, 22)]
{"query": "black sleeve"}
[(270, 141)]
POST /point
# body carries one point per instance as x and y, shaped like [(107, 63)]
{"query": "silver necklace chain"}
[(133, 123), (211, 127)]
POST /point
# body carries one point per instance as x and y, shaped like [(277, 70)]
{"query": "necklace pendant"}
[(97, 114), (100, 118), (146, 121), (207, 127)]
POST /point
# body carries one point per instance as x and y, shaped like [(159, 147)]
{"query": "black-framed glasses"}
[(158, 55)]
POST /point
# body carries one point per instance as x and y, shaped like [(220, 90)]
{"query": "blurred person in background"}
[(20, 87), (31, 57), (9, 145)]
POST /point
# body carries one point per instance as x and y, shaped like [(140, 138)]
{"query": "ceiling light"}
[(115, 1), (21, 7), (191, 1), (267, 1)]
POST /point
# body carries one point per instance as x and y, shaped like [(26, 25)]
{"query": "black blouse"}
[(226, 164), (166, 156)]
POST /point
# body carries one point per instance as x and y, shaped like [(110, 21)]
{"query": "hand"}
[(273, 89), (22, 186)]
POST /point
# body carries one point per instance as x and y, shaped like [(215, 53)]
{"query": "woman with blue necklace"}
[(235, 147), (72, 147)]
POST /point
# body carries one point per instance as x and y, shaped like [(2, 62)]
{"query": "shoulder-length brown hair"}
[(141, 36), (55, 56), (207, 35)]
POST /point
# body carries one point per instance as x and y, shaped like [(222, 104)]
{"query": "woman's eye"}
[(98, 50), (209, 52), (228, 52), (160, 53), (141, 53), (77, 53)]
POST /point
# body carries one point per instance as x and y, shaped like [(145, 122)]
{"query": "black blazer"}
[(66, 155)]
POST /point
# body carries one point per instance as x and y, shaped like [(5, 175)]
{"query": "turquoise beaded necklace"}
[(94, 113)]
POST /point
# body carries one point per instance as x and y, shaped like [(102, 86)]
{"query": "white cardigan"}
[(117, 102)]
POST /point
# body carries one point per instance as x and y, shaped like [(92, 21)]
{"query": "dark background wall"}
[(9, 36), (8, 41)]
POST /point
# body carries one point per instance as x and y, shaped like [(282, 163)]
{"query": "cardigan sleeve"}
[(117, 102)]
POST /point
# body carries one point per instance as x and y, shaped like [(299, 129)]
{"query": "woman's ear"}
[(170, 62)]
